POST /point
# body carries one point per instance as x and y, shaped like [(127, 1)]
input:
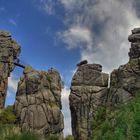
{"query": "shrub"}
[(7, 133), (69, 137), (52, 137), (7, 116), (121, 124), (28, 136)]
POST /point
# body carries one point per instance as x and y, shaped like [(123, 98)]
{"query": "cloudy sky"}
[(60, 33)]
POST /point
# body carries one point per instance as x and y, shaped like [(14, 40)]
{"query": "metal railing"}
[(15, 63)]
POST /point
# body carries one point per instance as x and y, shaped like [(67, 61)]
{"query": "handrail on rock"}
[(15, 63)]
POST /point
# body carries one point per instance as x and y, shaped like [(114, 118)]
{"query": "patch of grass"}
[(69, 137), (7, 116), (7, 132), (52, 137), (28, 136), (121, 124)]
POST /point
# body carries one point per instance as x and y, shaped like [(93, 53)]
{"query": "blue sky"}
[(60, 33), (36, 31)]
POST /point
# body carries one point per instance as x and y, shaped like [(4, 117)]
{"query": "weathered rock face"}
[(125, 81), (88, 92), (38, 102), (9, 51)]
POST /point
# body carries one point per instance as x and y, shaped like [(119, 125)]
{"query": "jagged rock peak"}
[(9, 52), (88, 92), (135, 43), (136, 31), (38, 102), (135, 37), (28, 69), (82, 63), (125, 81), (90, 74), (5, 34)]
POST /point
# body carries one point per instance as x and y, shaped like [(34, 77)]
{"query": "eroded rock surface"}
[(125, 81), (88, 92), (38, 102), (9, 51)]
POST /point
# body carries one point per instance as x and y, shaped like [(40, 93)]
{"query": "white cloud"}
[(66, 111), (76, 36), (48, 6), (104, 25), (13, 22), (68, 3)]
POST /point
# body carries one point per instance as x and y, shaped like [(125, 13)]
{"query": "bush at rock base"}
[(7, 116), (69, 137), (7, 132), (121, 124)]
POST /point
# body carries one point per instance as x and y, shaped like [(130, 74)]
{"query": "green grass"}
[(69, 137), (8, 132), (7, 116), (121, 124)]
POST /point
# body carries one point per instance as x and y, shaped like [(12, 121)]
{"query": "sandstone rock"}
[(88, 92), (134, 37), (38, 104), (9, 51), (134, 50), (89, 89), (136, 30), (125, 81), (90, 74), (135, 44)]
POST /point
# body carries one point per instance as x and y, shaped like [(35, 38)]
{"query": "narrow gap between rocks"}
[(109, 80), (66, 111), (12, 86)]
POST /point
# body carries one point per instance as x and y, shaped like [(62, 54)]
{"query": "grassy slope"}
[(123, 124)]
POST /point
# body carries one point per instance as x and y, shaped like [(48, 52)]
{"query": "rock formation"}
[(89, 89), (38, 102), (9, 51), (125, 81), (88, 92)]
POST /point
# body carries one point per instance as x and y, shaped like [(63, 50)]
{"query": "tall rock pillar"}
[(88, 92), (9, 51), (125, 81), (38, 102)]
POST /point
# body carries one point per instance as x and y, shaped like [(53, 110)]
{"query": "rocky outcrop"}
[(125, 81), (89, 89), (88, 92), (38, 102), (9, 51)]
